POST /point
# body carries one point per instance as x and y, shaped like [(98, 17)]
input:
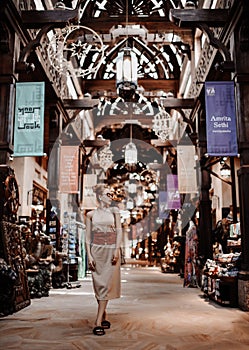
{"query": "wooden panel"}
[(37, 19), (95, 85), (85, 103), (11, 252), (191, 18)]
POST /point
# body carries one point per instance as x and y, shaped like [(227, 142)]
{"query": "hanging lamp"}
[(126, 78), (126, 68), (130, 151), (225, 170)]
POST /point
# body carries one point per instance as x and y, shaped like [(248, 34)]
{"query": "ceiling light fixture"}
[(130, 151), (126, 68), (225, 170)]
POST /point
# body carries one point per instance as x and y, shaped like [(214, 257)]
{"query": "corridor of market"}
[(155, 312), (124, 142)]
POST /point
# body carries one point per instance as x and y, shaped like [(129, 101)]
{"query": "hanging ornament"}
[(162, 125), (76, 51), (147, 177), (105, 158), (130, 153)]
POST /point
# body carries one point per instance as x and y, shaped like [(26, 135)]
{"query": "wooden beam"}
[(85, 103), (144, 120), (108, 120), (96, 143), (185, 18), (166, 143), (38, 19), (152, 24), (95, 85), (178, 103), (171, 103)]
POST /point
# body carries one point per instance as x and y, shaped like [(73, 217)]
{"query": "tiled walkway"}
[(154, 313)]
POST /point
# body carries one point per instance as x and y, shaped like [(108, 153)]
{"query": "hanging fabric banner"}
[(174, 199), (186, 168), (89, 196), (221, 119), (69, 165), (29, 119), (163, 209)]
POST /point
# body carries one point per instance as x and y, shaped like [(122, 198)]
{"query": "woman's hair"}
[(100, 189)]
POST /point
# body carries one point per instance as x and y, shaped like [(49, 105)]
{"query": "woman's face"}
[(106, 197)]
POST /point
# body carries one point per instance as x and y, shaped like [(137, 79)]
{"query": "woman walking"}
[(103, 242)]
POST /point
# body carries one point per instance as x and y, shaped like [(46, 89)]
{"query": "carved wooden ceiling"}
[(159, 44), (161, 47)]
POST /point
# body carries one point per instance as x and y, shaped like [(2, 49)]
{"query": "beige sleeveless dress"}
[(106, 277)]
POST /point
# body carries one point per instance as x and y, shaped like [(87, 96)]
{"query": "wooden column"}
[(7, 91), (205, 220), (7, 103), (241, 57)]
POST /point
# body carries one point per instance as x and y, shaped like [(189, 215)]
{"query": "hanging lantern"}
[(162, 125), (130, 153), (225, 170), (132, 188), (126, 78)]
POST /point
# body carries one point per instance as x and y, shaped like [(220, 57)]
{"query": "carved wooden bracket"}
[(46, 20), (93, 145), (209, 164), (204, 19), (227, 64)]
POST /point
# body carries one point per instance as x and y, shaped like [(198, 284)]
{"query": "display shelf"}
[(221, 289), (11, 251), (234, 248), (220, 279)]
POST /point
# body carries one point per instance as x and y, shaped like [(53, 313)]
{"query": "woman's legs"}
[(102, 304)]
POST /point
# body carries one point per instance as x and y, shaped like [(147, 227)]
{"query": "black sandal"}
[(98, 330), (105, 324)]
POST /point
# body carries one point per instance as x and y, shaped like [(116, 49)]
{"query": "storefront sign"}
[(69, 164), (186, 166), (29, 119), (221, 119)]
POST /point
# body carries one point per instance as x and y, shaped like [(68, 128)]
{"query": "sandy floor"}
[(154, 313)]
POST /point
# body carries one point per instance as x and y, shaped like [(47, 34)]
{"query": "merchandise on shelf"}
[(219, 278)]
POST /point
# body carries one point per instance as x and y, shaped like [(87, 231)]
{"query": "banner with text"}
[(186, 167), (221, 119), (69, 165), (174, 199), (89, 196), (163, 208), (29, 119)]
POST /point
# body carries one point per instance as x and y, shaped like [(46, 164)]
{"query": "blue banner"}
[(29, 119), (221, 119)]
